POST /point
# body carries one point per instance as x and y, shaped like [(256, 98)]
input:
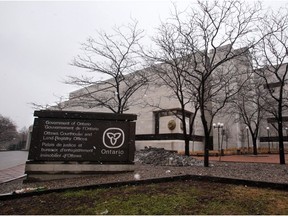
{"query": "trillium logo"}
[(113, 138)]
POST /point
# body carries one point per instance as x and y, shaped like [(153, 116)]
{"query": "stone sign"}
[(79, 139), (84, 138)]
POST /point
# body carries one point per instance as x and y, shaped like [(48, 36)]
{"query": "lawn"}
[(179, 197)]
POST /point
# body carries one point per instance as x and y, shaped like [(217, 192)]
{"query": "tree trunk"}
[(186, 136), (206, 152), (207, 139), (187, 145), (280, 129), (254, 141), (281, 142)]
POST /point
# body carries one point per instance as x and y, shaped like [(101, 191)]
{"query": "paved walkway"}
[(10, 159), (18, 171), (261, 158), (12, 173), (12, 165)]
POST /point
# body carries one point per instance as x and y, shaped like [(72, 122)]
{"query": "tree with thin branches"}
[(170, 71), (115, 57), (211, 37), (270, 58), (248, 107), (8, 130)]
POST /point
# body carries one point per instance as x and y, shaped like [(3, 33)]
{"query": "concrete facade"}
[(269, 127), (154, 99), (157, 97)]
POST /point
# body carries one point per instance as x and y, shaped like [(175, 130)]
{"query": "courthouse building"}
[(157, 125), (269, 129)]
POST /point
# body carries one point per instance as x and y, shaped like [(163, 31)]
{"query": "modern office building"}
[(156, 108)]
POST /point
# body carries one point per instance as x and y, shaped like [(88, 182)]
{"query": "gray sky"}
[(39, 39)]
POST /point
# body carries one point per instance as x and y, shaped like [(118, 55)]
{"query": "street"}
[(10, 159)]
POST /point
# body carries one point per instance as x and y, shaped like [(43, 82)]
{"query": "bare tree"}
[(271, 61), (249, 106), (205, 34), (61, 104), (170, 72), (8, 130), (22, 134), (113, 56)]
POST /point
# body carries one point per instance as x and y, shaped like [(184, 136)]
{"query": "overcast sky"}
[(39, 39)]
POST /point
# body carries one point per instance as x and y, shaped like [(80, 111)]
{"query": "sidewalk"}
[(18, 171), (248, 158), (12, 173)]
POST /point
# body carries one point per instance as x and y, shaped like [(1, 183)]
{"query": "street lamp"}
[(268, 139), (218, 126), (247, 130)]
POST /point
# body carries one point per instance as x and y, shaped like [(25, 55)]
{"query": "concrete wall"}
[(157, 97)]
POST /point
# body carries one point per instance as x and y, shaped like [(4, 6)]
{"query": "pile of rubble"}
[(162, 157)]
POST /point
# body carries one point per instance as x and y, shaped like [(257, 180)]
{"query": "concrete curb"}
[(13, 179), (248, 183)]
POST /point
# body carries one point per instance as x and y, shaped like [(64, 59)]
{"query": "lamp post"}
[(268, 132), (218, 126), (286, 138), (247, 130), (286, 129)]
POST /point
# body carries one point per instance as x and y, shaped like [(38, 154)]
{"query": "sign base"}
[(57, 170)]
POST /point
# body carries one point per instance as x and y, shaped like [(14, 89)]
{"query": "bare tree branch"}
[(115, 56), (208, 41), (270, 60)]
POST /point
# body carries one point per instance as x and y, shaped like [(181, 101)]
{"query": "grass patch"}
[(181, 197)]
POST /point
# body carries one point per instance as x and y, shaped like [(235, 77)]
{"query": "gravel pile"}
[(162, 157)]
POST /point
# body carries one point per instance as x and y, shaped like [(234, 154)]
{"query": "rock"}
[(162, 157)]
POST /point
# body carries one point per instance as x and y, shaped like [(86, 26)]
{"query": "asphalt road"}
[(10, 159)]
